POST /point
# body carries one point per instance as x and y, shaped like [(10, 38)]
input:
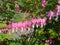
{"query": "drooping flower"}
[(34, 21), (43, 21), (43, 3), (24, 24), (16, 25), (9, 27), (28, 23), (47, 41), (50, 14), (13, 26), (55, 11), (58, 1), (19, 25), (58, 7), (38, 20)]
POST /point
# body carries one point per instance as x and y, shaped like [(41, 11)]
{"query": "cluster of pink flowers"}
[(24, 25), (27, 24)]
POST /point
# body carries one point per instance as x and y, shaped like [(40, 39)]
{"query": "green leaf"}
[(21, 3)]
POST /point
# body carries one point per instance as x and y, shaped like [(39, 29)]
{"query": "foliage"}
[(3, 25), (34, 6)]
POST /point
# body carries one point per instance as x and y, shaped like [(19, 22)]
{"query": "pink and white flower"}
[(19, 25), (58, 1), (43, 3), (58, 7), (50, 14), (9, 27), (43, 21), (34, 22)]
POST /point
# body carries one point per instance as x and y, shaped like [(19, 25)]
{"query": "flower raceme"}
[(27, 24), (36, 21), (39, 21)]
